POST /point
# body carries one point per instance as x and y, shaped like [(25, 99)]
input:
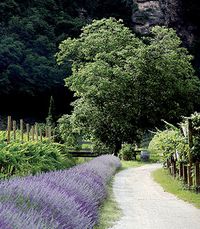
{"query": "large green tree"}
[(124, 84)]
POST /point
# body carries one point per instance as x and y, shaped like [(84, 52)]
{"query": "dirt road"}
[(146, 205)]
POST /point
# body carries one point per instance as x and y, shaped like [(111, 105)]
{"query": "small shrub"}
[(127, 152), (100, 148), (33, 157), (165, 143), (66, 133)]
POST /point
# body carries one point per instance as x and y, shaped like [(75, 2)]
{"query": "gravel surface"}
[(146, 205)]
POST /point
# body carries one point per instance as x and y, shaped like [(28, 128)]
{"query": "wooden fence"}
[(26, 132), (188, 172)]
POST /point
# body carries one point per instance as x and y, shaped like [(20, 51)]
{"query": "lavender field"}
[(67, 199)]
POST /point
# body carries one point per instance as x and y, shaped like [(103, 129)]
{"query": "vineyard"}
[(25, 132)]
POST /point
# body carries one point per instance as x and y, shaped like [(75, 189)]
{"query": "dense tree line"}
[(30, 32)]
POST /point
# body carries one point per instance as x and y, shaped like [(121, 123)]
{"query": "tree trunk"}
[(118, 146)]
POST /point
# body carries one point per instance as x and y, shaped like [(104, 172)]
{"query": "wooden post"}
[(54, 134), (197, 175), (40, 134), (49, 133), (9, 128), (181, 170), (171, 169), (168, 164), (21, 129), (33, 133), (185, 174), (28, 132), (189, 175), (36, 131), (174, 168), (190, 142), (14, 129), (46, 131)]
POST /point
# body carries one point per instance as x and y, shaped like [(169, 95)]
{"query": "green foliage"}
[(102, 82), (100, 148), (127, 152), (166, 143), (165, 67), (29, 34), (33, 157), (195, 123), (195, 118), (69, 135), (169, 141), (117, 84)]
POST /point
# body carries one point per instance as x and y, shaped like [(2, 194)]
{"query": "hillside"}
[(30, 32)]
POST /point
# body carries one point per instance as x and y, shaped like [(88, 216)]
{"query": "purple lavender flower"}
[(67, 199)]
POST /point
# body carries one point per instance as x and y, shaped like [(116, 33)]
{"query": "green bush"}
[(166, 143), (171, 140), (33, 157), (127, 152), (66, 132), (100, 148)]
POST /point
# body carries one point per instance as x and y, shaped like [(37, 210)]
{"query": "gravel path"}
[(145, 205)]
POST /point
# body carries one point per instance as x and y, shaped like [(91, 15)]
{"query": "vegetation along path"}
[(146, 205)]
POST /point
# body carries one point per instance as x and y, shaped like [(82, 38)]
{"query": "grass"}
[(175, 187), (129, 164), (109, 211)]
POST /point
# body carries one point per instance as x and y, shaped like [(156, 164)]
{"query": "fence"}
[(26, 132), (187, 171)]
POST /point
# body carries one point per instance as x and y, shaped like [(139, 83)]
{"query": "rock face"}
[(172, 13), (146, 14)]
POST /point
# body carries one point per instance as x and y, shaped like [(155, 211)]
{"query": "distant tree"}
[(125, 85), (51, 118)]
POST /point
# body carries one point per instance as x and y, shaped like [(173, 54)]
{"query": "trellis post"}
[(21, 130), (36, 131), (28, 132), (9, 129), (14, 129), (190, 143)]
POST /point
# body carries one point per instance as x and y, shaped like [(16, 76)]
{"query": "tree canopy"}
[(30, 32), (124, 84)]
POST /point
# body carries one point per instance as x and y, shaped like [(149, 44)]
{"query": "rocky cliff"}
[(179, 14), (182, 15), (146, 14)]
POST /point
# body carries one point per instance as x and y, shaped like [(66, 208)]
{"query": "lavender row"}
[(67, 199)]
